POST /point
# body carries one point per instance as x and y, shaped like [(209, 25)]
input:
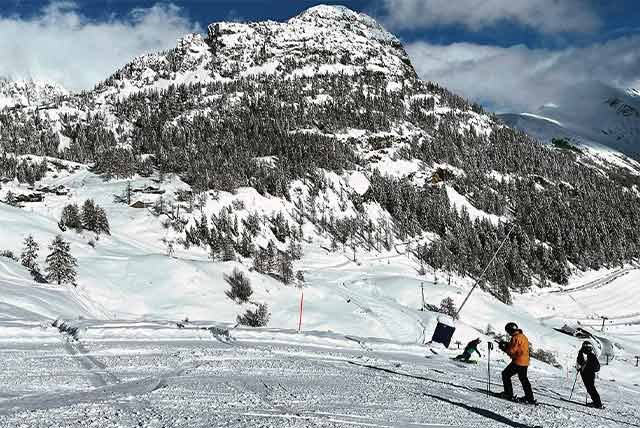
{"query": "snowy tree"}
[(280, 227), (271, 259), (285, 268), (70, 218), (260, 262), (60, 263), (89, 215), (9, 254), (240, 290), (102, 223), (10, 199), (245, 247), (447, 306), (295, 249), (228, 251), (29, 255), (258, 318)]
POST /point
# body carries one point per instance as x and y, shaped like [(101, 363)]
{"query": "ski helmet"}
[(511, 327), (587, 346)]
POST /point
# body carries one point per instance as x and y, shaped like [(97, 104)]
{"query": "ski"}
[(465, 362), (515, 399)]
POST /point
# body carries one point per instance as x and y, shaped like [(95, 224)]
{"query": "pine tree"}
[(10, 199), (228, 252), (89, 215), (252, 224), (285, 268), (246, 247), (240, 286), (102, 223), (70, 218), (295, 249), (260, 260), (215, 245), (60, 263), (30, 254), (258, 318), (447, 306)]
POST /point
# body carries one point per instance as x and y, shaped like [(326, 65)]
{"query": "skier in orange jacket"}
[(518, 349)]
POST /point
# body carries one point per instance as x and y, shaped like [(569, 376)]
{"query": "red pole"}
[(301, 302)]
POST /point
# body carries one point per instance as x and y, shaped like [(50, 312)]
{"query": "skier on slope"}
[(588, 365), (518, 349), (469, 350)]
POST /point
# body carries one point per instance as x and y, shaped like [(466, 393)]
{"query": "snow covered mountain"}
[(591, 114), (325, 114), (23, 93), (307, 155), (321, 40)]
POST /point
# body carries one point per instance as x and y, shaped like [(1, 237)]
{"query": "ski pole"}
[(574, 385), (489, 348)]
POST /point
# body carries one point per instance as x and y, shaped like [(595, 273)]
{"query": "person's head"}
[(587, 346), (511, 328)]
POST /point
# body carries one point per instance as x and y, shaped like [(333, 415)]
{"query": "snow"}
[(358, 182), (133, 365), (22, 92), (462, 203), (360, 358), (537, 116), (499, 176), (154, 374), (591, 115), (398, 168)]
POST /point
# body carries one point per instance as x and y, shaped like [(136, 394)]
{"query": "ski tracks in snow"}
[(98, 374), (386, 311), (106, 388)]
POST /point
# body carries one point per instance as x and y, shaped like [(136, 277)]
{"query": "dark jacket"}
[(588, 362), (472, 347)]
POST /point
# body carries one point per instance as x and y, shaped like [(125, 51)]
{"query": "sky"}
[(509, 55)]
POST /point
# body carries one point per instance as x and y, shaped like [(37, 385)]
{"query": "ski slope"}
[(360, 359), (152, 374)]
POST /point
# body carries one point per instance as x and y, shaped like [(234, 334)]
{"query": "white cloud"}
[(548, 16), (522, 78), (62, 45)]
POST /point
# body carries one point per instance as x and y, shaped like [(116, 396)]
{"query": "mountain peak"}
[(321, 40), (324, 11), (324, 15)]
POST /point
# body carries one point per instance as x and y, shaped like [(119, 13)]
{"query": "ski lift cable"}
[(485, 270)]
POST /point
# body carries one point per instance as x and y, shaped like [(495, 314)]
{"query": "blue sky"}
[(506, 54)]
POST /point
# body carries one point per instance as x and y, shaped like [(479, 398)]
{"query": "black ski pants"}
[(514, 369), (589, 379)]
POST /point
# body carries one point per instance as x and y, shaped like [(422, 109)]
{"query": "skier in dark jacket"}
[(588, 365), (518, 349), (469, 350)]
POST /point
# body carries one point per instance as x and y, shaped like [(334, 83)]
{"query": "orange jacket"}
[(518, 349)]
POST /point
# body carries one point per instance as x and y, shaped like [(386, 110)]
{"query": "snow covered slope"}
[(309, 157), (151, 374), (24, 93), (591, 114)]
